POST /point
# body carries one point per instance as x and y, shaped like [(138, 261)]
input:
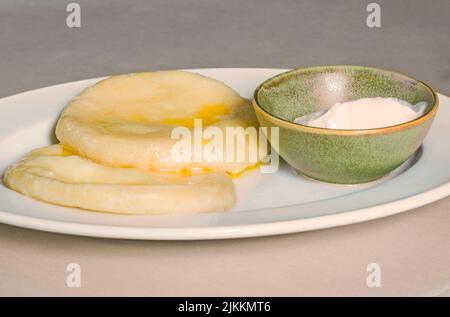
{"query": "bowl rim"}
[(388, 129)]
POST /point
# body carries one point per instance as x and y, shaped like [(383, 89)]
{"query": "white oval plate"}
[(268, 204)]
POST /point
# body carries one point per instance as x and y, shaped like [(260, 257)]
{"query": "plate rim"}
[(229, 232)]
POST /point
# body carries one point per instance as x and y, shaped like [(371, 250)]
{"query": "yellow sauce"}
[(249, 168), (209, 114)]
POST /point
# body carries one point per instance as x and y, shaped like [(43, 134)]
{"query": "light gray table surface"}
[(37, 49)]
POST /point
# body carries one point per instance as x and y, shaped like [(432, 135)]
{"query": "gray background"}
[(37, 49)]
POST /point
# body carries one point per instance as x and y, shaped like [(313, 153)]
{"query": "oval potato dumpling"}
[(127, 120), (55, 175)]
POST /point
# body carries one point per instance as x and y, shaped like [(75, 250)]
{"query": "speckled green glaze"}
[(341, 156)]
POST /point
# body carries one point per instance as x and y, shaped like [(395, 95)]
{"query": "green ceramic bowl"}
[(341, 156)]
